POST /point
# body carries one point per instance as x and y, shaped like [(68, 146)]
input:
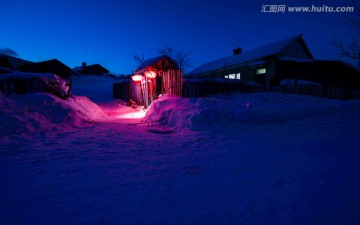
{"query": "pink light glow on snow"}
[(133, 115)]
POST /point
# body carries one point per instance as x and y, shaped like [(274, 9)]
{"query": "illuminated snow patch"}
[(133, 115)]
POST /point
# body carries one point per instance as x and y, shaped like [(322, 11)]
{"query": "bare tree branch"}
[(351, 49), (166, 50), (180, 56), (139, 59)]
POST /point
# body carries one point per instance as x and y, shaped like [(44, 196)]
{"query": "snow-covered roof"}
[(150, 62), (297, 59), (247, 56)]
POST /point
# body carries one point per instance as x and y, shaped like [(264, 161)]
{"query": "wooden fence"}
[(121, 90), (22, 85), (204, 87), (174, 84)]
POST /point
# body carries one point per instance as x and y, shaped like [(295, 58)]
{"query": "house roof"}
[(250, 56), (48, 66), (95, 69), (156, 60), (12, 62)]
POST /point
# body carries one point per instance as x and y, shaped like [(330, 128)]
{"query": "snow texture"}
[(300, 82), (263, 158)]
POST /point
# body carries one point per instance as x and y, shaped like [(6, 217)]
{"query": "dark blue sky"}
[(110, 32)]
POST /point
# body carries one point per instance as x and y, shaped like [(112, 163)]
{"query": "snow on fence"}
[(354, 94), (314, 90)]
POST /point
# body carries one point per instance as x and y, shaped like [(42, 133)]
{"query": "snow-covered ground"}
[(236, 158)]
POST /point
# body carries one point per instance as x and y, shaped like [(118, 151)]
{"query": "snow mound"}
[(171, 111), (38, 112), (235, 109)]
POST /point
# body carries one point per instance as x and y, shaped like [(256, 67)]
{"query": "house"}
[(94, 69), (49, 66), (155, 76), (167, 75), (289, 58), (11, 62)]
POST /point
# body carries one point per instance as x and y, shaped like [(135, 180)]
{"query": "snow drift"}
[(236, 109), (38, 112), (35, 113)]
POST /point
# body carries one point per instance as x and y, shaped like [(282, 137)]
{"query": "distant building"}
[(285, 59), (94, 69), (49, 66)]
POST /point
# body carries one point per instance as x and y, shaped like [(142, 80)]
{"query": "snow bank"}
[(35, 113), (171, 111), (236, 109)]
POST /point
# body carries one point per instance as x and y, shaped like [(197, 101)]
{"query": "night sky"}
[(110, 32)]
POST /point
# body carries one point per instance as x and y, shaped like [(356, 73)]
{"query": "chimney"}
[(83, 64), (237, 51)]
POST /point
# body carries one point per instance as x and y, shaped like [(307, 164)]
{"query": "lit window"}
[(226, 77), (261, 71), (238, 76), (232, 76)]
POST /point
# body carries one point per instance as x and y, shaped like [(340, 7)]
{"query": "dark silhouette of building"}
[(95, 69), (12, 62), (49, 66)]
